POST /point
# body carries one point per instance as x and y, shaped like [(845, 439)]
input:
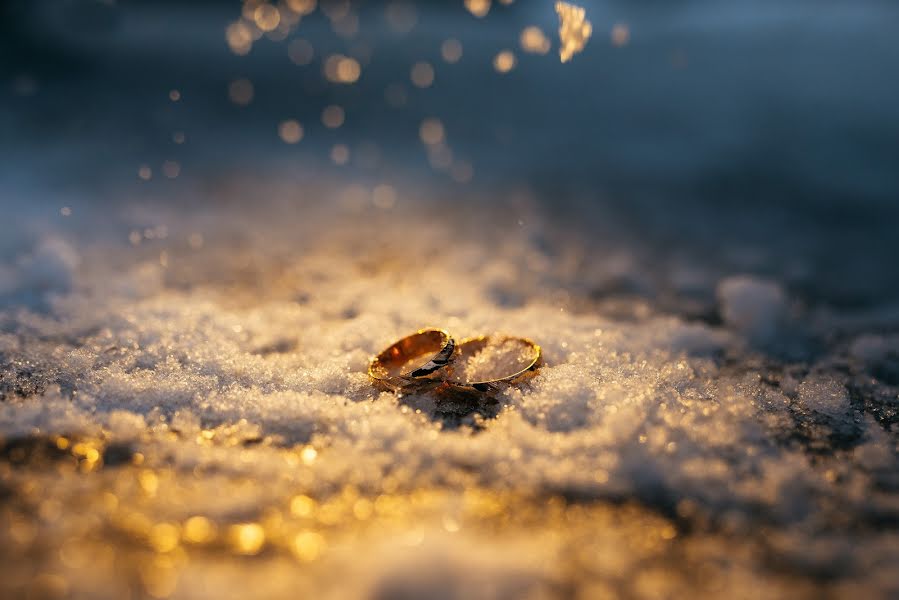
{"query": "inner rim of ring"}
[(517, 355), (416, 355)]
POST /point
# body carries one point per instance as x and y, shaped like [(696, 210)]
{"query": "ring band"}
[(485, 361), (414, 357)]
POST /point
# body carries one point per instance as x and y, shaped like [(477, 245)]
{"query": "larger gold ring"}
[(484, 362), (416, 357)]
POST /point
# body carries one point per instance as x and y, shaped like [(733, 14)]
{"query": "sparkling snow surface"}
[(186, 414)]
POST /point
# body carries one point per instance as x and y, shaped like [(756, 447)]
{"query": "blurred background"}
[(217, 212), (751, 137)]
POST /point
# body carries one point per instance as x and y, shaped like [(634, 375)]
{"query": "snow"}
[(752, 306), (651, 456), (824, 395)]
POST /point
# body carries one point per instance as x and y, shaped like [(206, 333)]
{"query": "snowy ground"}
[(186, 414), (698, 227)]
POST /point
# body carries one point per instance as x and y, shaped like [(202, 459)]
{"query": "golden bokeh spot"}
[(621, 35), (266, 17), (308, 545), (195, 240), (574, 30), (533, 40), (308, 453), (422, 74), (333, 116), (164, 537), (431, 131), (478, 8), (363, 509), (450, 524), (290, 132), (504, 61), (342, 69), (302, 506), (198, 530), (340, 155), (246, 538), (148, 481), (451, 50), (239, 37), (301, 7)]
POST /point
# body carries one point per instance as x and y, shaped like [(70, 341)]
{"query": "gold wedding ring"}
[(432, 357), (484, 362), (414, 358)]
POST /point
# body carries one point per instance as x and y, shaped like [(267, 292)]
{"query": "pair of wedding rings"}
[(431, 357)]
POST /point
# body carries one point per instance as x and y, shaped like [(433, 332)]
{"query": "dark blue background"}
[(747, 136)]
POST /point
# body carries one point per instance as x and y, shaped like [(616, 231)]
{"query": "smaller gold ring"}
[(415, 357), (475, 365)]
